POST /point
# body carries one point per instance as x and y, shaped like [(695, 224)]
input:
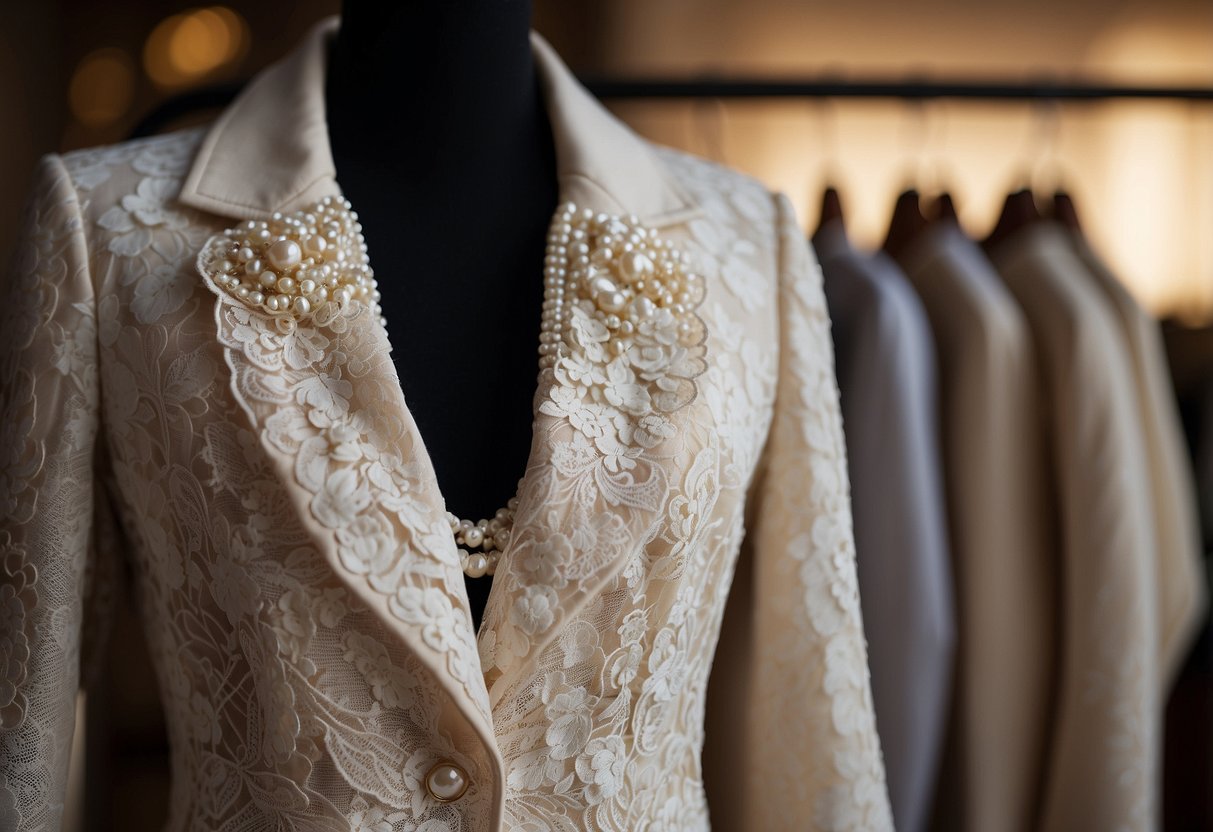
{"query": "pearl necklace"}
[(490, 536), (620, 274)]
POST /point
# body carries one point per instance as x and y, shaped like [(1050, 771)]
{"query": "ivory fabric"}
[(297, 579), (1104, 765), (1182, 597), (1003, 536), (885, 361)]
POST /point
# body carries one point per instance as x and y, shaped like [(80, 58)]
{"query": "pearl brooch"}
[(619, 274), (309, 263)]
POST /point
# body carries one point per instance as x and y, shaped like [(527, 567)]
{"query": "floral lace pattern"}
[(298, 581), (48, 414)]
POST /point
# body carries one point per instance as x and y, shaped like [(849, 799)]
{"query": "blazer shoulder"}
[(741, 226), (128, 195), (109, 171), (724, 193)]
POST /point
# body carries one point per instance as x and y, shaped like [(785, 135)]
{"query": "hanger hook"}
[(711, 114), (1039, 142), (823, 112), (1047, 176), (938, 168), (915, 130)]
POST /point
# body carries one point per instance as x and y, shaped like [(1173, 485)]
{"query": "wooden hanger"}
[(1065, 212), (831, 209), (944, 209), (906, 223), (1019, 211)]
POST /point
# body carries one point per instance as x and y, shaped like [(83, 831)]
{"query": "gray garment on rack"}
[(885, 365)]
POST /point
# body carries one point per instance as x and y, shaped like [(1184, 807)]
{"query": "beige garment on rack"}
[(1182, 596), (1003, 534), (1105, 752)]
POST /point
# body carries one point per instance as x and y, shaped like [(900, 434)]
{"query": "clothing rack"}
[(714, 87), (910, 89)]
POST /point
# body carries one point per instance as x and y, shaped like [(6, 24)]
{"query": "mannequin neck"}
[(454, 67)]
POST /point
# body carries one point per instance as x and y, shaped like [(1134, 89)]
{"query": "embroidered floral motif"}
[(389, 684), (133, 224), (10, 814), (18, 597)]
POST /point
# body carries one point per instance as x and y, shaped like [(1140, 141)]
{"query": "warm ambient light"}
[(194, 43), (102, 87)]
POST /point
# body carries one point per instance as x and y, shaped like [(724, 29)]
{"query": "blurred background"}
[(77, 74)]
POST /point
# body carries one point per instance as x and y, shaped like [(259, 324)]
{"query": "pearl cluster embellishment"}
[(620, 273), (637, 288), (294, 265)]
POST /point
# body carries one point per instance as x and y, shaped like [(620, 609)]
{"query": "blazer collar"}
[(269, 150)]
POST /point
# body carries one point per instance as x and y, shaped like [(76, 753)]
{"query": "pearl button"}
[(284, 254), (446, 782)]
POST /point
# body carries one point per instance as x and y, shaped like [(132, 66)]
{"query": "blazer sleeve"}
[(48, 427), (791, 738)]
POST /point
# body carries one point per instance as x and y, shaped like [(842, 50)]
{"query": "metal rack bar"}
[(771, 88), (1014, 91)]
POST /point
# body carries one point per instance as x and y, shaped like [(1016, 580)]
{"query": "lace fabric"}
[(300, 589)]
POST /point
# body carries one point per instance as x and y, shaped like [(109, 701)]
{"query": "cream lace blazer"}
[(296, 575)]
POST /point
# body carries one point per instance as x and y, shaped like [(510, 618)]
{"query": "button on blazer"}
[(191, 344)]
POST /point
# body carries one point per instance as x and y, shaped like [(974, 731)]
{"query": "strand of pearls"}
[(489, 536), (617, 272), (481, 542)]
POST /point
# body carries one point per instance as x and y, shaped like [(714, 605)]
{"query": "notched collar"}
[(269, 149)]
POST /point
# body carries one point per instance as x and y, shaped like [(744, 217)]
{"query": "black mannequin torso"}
[(442, 144)]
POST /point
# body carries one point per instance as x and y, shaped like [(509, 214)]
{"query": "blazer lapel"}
[(330, 413)]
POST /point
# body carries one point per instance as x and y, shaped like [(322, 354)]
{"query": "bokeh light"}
[(102, 87), (190, 45)]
